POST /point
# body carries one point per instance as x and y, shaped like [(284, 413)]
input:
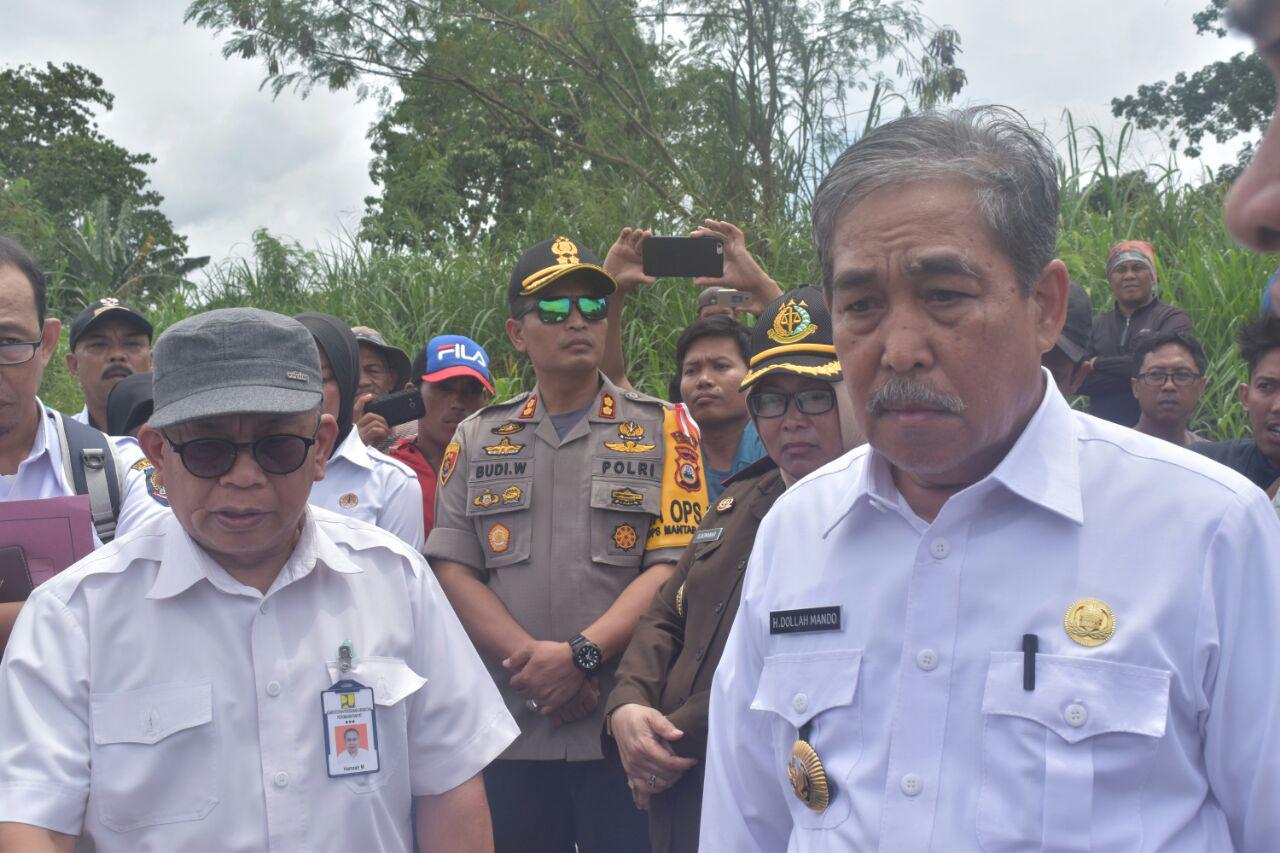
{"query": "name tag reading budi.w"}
[(805, 620)]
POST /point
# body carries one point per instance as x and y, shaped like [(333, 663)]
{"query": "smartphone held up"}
[(683, 257)]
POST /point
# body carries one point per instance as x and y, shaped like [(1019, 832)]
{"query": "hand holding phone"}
[(683, 257), (398, 408)]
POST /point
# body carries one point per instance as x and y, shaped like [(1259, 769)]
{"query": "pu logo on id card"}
[(350, 729)]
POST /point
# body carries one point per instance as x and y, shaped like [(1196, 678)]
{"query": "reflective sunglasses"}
[(774, 404), (210, 458), (551, 311)]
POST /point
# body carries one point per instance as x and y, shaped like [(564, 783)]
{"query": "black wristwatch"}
[(586, 654)]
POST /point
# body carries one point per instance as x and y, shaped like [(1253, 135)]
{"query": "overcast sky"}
[(232, 159)]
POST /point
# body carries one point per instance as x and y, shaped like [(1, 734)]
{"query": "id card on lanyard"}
[(350, 726)]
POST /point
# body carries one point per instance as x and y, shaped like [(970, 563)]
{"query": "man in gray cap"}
[(192, 686)]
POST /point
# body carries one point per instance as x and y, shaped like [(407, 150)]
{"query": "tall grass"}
[(460, 288)]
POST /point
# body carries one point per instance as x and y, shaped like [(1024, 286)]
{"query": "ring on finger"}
[(653, 779), (532, 705)]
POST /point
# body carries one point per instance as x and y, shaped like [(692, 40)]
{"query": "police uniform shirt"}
[(1148, 575), (41, 475), (151, 701), (359, 482), (558, 528)]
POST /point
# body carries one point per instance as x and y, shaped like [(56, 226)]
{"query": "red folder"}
[(52, 532)]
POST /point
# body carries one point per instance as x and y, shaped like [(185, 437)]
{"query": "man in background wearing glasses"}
[(1168, 382), (136, 678), (559, 514), (31, 465)]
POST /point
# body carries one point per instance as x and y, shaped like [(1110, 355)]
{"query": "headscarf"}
[(338, 343), (130, 403), (1132, 250)]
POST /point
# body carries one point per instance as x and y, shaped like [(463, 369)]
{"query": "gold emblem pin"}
[(680, 601), (626, 497), (565, 251), (808, 777), (632, 435), (499, 538), (503, 448), (625, 537), (725, 505), (486, 500), (509, 428), (348, 500), (512, 494), (1090, 622)]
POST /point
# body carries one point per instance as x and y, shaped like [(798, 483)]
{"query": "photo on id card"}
[(351, 730)]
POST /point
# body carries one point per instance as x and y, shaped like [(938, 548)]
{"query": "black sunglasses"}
[(774, 404), (210, 458), (551, 311)]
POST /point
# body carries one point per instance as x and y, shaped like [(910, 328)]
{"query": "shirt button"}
[(742, 564), (940, 549), (273, 688), (282, 779), (912, 784), (264, 607), (800, 702), (719, 606), (1076, 715), (702, 650), (927, 659)]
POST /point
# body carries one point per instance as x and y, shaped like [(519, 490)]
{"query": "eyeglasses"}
[(210, 458), (773, 404), (551, 311), (19, 352), (1156, 378)]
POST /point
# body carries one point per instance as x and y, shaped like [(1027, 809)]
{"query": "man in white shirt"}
[(1002, 624), (31, 465), (359, 481), (109, 341), (176, 689)]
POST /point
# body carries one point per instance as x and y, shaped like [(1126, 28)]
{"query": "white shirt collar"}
[(183, 562), (1042, 467), (354, 450)]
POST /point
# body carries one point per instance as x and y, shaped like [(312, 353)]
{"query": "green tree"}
[(1222, 100), (50, 142), (730, 106)]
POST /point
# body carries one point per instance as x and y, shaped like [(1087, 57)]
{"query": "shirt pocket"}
[(154, 757), (501, 511), (393, 682), (1081, 742), (820, 689), (621, 511)]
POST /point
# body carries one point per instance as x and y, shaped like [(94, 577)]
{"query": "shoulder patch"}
[(450, 462), (141, 465), (155, 488)]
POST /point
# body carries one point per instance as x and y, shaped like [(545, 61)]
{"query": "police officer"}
[(31, 450), (191, 687), (657, 712), (1002, 624), (359, 481), (109, 341), (559, 514)]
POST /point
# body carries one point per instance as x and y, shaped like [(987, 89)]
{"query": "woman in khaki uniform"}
[(656, 716)]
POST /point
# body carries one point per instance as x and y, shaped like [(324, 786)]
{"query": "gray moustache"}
[(903, 390)]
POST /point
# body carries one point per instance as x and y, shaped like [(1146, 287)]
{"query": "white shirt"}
[(41, 475), (362, 483), (1165, 736), (82, 416), (151, 701)]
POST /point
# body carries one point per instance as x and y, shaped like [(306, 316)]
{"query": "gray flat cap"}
[(234, 361)]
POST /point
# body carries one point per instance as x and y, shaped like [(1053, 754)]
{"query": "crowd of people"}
[(868, 578)]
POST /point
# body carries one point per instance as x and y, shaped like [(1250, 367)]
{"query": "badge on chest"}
[(350, 724)]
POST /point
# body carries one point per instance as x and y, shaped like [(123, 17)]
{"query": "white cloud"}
[(232, 159)]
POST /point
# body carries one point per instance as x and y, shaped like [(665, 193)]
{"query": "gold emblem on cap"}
[(680, 601), (565, 251), (808, 777), (1090, 622), (725, 505), (792, 323)]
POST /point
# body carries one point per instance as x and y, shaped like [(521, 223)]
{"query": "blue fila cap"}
[(456, 355)]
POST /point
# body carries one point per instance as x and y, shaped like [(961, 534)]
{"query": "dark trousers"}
[(552, 806)]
